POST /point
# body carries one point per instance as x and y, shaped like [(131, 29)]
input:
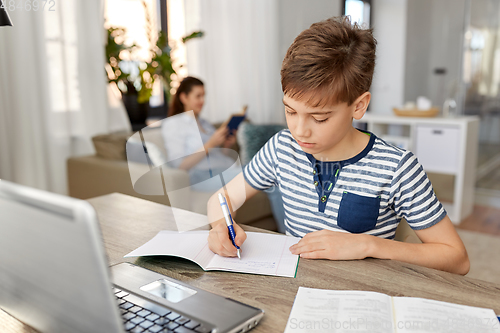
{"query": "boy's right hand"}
[(220, 243)]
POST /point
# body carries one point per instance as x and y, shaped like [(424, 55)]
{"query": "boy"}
[(344, 190)]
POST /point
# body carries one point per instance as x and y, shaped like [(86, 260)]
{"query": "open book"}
[(318, 310), (262, 253), (236, 119)]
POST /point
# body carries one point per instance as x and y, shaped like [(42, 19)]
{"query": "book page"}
[(266, 254), (262, 253), (423, 315), (191, 245), (320, 310)]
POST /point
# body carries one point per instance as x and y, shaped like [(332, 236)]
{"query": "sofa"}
[(109, 171)]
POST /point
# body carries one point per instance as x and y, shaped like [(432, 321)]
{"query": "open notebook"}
[(319, 310), (265, 254)]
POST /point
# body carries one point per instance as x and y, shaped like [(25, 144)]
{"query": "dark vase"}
[(137, 112)]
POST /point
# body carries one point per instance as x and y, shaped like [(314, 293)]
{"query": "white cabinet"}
[(442, 145), (437, 147)]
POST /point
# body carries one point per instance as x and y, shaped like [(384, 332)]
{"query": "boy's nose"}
[(302, 130)]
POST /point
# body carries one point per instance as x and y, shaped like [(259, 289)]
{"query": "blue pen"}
[(229, 221)]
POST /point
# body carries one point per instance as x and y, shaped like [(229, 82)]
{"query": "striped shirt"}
[(368, 193)]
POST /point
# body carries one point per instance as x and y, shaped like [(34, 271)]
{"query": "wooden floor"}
[(483, 219)]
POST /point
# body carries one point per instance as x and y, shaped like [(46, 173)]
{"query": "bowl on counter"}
[(432, 112)]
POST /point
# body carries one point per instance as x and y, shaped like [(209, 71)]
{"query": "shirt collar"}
[(354, 159)]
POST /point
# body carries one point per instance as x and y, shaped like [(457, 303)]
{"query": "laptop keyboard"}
[(140, 315)]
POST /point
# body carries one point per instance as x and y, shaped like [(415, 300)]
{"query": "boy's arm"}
[(237, 191), (441, 249)]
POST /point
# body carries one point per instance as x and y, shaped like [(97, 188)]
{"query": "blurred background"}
[(71, 70)]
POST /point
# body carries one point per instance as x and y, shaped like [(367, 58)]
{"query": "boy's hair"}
[(331, 62)]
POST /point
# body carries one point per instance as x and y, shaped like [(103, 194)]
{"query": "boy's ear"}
[(361, 104)]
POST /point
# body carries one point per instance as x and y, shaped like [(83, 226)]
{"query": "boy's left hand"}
[(333, 245)]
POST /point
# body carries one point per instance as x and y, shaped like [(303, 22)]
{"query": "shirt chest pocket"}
[(358, 213)]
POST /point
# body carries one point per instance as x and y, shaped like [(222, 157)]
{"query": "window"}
[(62, 58), (359, 11), (141, 20)]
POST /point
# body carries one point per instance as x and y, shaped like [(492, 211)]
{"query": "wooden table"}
[(128, 222)]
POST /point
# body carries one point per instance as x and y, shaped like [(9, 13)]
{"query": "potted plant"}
[(135, 78)]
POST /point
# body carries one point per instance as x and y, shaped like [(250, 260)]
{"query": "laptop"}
[(54, 276)]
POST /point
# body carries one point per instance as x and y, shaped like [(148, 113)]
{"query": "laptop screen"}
[(53, 272)]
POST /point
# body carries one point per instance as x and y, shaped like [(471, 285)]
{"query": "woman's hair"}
[(185, 87), (329, 63)]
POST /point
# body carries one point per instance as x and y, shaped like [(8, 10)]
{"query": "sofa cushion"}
[(252, 137), (111, 146), (127, 146)]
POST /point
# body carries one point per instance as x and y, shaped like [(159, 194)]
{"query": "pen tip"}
[(239, 255)]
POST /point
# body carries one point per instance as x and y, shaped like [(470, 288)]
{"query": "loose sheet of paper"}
[(265, 254), (320, 310), (418, 315)]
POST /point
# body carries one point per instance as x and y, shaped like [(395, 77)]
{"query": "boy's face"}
[(319, 130)]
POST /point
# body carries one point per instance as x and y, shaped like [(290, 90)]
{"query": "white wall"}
[(389, 23), (434, 34), (298, 15), (417, 62)]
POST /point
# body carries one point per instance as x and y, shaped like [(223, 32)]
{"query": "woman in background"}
[(182, 131)]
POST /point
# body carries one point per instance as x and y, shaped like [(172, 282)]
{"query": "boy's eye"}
[(289, 112), (320, 120)]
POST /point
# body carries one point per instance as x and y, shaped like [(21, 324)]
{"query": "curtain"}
[(53, 92), (237, 58)]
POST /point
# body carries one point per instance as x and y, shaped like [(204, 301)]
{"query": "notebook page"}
[(321, 310), (191, 245), (418, 315), (266, 254)]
